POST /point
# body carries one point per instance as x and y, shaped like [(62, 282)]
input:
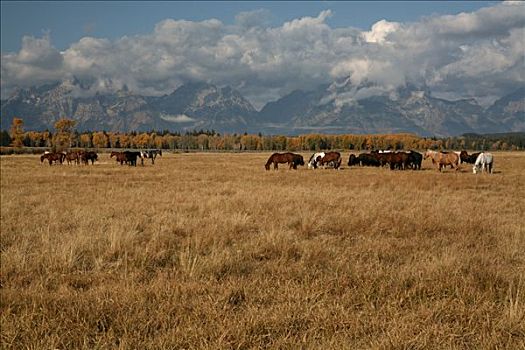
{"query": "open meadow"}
[(209, 250)]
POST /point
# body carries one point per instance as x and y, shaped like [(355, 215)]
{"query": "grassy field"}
[(212, 251)]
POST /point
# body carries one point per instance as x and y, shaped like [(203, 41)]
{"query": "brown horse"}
[(443, 159), (291, 158), (53, 157), (73, 156), (120, 157), (334, 157)]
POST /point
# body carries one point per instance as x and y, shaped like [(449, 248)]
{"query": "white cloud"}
[(469, 54), (180, 118), (380, 31)]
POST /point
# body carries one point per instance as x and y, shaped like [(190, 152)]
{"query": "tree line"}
[(66, 136)]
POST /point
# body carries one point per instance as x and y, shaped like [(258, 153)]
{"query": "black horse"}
[(131, 157), (87, 156)]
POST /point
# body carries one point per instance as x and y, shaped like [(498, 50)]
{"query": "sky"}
[(267, 49)]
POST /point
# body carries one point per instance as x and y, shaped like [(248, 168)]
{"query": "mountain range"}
[(340, 107)]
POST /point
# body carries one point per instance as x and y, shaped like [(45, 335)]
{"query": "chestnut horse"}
[(443, 159), (53, 157), (128, 157), (291, 158), (120, 156)]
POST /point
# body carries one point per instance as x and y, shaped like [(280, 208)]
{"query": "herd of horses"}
[(76, 157), (482, 161), (84, 157), (401, 160)]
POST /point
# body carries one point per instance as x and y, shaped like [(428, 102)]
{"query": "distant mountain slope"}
[(510, 110), (192, 106), (347, 109), (339, 107)]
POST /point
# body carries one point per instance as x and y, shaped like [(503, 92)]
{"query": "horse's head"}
[(42, 157), (427, 154), (113, 153)]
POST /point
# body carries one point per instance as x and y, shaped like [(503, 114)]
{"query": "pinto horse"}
[(291, 158), (151, 154), (331, 157), (53, 157), (443, 159), (313, 161)]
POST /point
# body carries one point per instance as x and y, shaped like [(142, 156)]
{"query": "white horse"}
[(313, 163), (484, 162)]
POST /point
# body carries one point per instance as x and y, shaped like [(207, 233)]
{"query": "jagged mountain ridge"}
[(339, 107), (192, 106), (368, 109)]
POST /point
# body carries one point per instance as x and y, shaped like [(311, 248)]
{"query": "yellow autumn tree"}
[(100, 139), (17, 132), (64, 132)]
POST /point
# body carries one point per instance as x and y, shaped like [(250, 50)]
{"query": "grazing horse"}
[(72, 156), (414, 160), (151, 154), (397, 160), (352, 160), (312, 162), (364, 159), (131, 157), (468, 158), (443, 159), (120, 157), (291, 158), (53, 157), (331, 157), (87, 156), (484, 162)]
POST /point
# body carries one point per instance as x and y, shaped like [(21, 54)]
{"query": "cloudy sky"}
[(267, 49)]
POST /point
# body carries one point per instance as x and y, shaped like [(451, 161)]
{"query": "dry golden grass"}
[(212, 251)]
